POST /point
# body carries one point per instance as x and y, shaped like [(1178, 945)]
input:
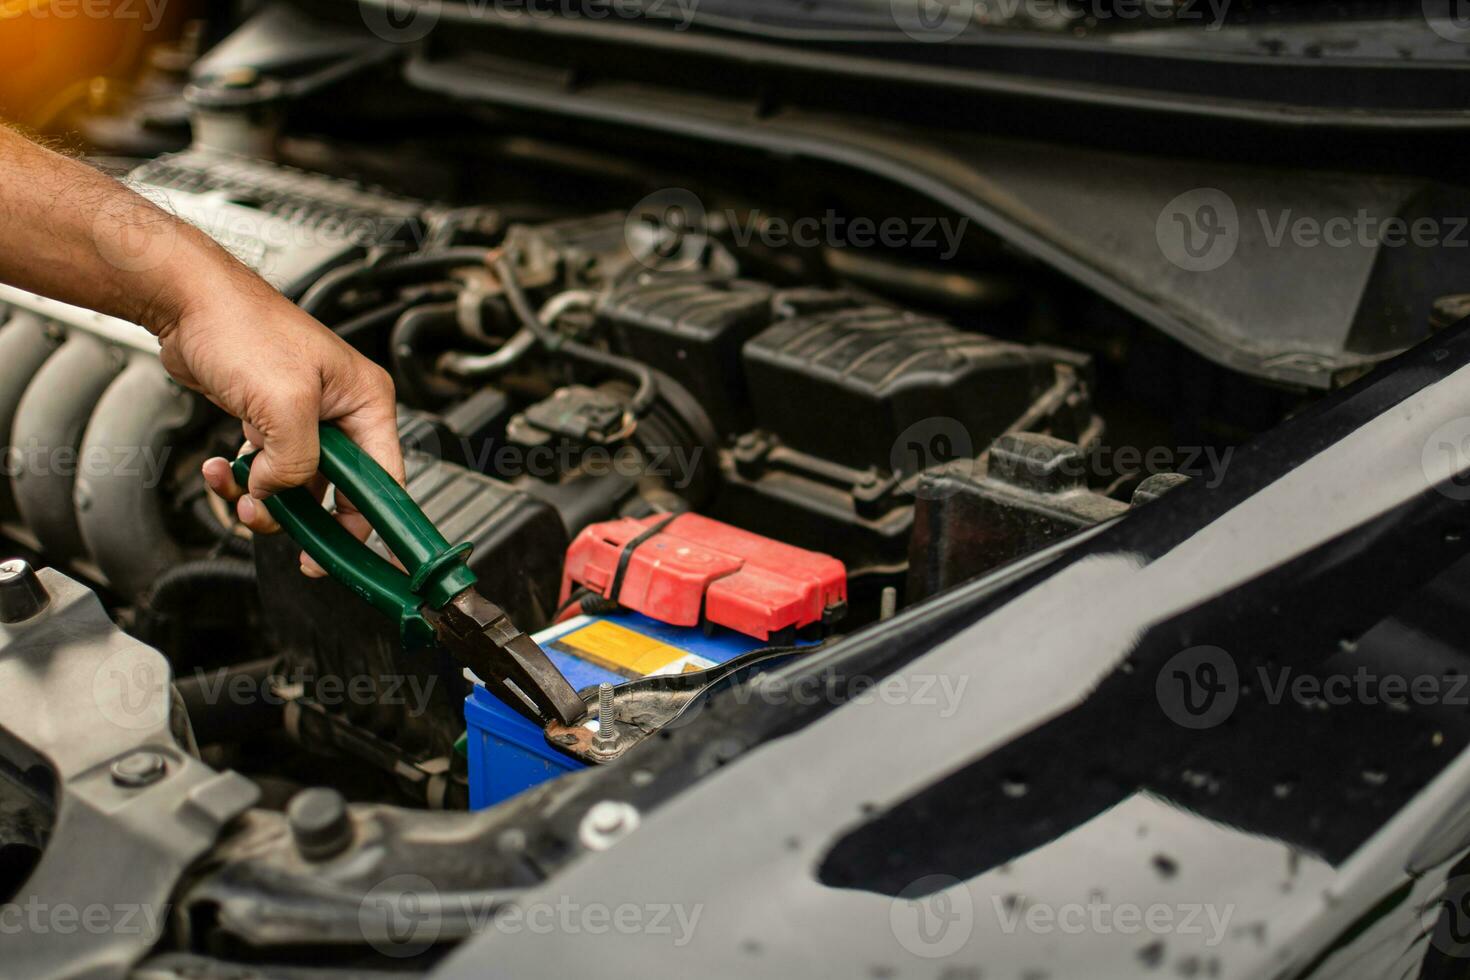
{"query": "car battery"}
[(693, 593), (509, 753)]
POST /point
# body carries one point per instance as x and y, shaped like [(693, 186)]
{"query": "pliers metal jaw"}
[(482, 637), (433, 596)]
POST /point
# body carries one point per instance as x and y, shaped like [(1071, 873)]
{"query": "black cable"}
[(369, 323), (392, 270), (226, 541), (647, 385), (626, 555), (578, 594), (505, 271)]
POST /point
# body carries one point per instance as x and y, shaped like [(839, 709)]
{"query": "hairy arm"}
[(79, 236)]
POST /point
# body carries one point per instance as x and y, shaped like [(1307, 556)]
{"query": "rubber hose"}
[(216, 710), (395, 270), (405, 346), (365, 325), (176, 584), (182, 583)]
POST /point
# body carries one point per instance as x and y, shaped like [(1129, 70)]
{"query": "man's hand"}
[(263, 360), (79, 236)]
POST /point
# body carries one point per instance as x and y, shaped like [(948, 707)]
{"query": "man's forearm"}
[(77, 235)]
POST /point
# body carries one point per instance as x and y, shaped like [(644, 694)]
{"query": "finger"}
[(219, 475), (356, 524), (259, 519), (254, 515), (221, 479), (310, 568)]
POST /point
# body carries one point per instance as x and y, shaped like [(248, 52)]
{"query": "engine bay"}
[(851, 482), (632, 379), (682, 447)]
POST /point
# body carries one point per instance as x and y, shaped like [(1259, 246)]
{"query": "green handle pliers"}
[(435, 600)]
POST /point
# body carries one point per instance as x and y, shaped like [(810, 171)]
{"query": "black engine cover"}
[(348, 656)]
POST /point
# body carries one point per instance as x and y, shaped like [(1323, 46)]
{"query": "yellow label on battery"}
[(619, 648)]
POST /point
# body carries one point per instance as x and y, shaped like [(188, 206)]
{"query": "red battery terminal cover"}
[(668, 567)]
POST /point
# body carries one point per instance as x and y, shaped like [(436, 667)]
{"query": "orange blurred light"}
[(51, 50)]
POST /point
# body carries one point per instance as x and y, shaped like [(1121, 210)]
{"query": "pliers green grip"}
[(435, 599), (436, 572)]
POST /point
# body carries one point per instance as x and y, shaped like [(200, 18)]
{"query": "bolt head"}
[(320, 824), (139, 769), (21, 593), (607, 822)]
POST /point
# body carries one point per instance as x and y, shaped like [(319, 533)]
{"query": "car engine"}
[(683, 446), (668, 381)]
